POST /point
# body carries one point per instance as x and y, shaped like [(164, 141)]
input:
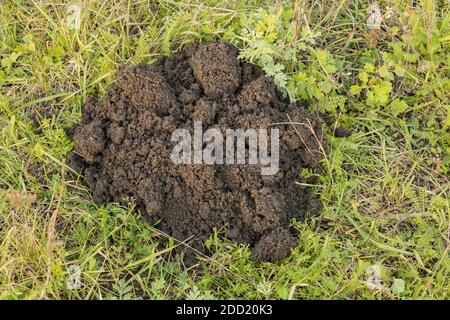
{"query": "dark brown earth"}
[(123, 147)]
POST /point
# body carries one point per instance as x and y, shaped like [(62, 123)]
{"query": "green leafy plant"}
[(285, 51), (375, 84)]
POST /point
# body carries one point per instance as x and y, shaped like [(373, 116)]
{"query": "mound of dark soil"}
[(123, 146)]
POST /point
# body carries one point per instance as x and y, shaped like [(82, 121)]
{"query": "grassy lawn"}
[(385, 189)]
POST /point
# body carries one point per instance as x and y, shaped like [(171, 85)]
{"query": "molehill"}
[(123, 148)]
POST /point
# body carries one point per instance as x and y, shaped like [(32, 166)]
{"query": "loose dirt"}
[(123, 147)]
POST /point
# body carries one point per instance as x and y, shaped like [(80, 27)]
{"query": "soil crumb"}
[(123, 147)]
